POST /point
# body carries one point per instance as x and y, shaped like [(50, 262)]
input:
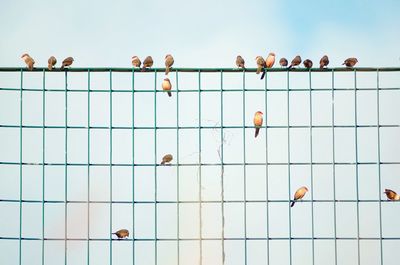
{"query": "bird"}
[(147, 63), (260, 66), (169, 61), (28, 60), (67, 62), (239, 62), (324, 62), (299, 194), (308, 63), (52, 61), (296, 61), (283, 62), (166, 86), (258, 121), (136, 61), (122, 233), (350, 62), (270, 60), (392, 195), (166, 159)]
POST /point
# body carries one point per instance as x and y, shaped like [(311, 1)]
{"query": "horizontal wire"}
[(196, 239), (202, 164), (186, 201), (197, 70), (196, 90), (196, 127)]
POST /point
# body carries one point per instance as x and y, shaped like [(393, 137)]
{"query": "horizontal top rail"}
[(206, 70)]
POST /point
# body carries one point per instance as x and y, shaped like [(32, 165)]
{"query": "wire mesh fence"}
[(81, 153)]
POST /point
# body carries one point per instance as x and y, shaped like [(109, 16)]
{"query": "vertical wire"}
[(244, 165), (266, 162), (43, 156), (357, 182), (288, 157), (88, 171), (311, 171), (200, 180), (155, 169), (177, 169), (334, 162), (20, 170), (66, 172), (110, 168), (221, 156), (379, 165), (133, 166)]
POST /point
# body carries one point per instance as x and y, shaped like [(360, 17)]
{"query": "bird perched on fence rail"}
[(295, 62), (270, 60), (350, 62), (283, 62), (136, 61), (258, 121), (392, 195), (51, 62), (299, 194), (239, 62), (324, 62), (28, 61), (67, 62), (147, 63), (260, 66), (169, 61), (122, 233), (166, 86), (308, 63), (166, 159)]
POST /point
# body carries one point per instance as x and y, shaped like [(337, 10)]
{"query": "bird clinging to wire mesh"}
[(392, 195), (169, 61), (299, 194), (166, 86), (258, 121), (28, 61), (122, 233), (166, 159)]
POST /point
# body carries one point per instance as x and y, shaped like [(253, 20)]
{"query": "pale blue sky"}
[(199, 33)]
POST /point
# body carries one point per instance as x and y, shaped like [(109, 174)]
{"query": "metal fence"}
[(228, 194)]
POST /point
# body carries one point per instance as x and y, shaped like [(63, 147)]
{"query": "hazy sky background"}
[(199, 34)]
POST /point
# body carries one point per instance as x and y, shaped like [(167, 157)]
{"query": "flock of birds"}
[(240, 63)]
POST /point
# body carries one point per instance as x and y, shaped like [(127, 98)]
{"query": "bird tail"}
[(263, 74), (169, 94), (343, 63), (50, 67), (143, 68), (162, 163), (321, 66), (258, 70), (290, 66), (257, 132), (167, 70), (292, 204), (62, 67)]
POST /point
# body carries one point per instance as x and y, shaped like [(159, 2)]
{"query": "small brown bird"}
[(299, 194), (67, 62), (166, 86), (136, 61), (147, 63), (258, 121), (324, 62), (51, 62), (28, 60), (308, 63), (295, 62), (169, 61), (239, 62), (260, 66), (350, 62), (283, 62), (166, 159), (270, 60), (122, 233), (392, 195)]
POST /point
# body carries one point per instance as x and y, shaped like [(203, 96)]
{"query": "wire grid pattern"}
[(199, 168)]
